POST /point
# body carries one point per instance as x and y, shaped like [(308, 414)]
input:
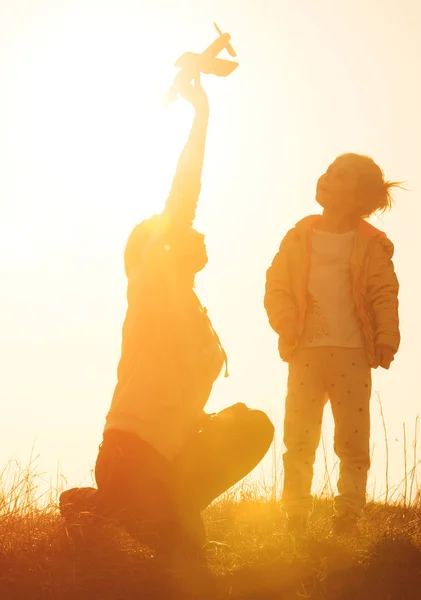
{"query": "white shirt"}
[(331, 316)]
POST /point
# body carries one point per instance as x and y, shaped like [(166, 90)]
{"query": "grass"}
[(250, 556)]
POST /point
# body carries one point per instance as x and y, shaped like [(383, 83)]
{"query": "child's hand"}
[(288, 332), (384, 356)]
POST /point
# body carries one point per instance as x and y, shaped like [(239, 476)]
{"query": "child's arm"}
[(279, 301), (383, 289), (181, 204)]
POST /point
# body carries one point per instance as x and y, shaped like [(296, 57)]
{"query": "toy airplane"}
[(207, 62)]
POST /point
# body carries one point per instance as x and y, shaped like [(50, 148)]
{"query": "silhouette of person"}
[(163, 460), (332, 298)]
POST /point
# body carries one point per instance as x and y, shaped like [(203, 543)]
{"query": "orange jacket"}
[(374, 283)]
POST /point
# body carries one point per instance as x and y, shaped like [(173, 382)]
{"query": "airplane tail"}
[(228, 47)]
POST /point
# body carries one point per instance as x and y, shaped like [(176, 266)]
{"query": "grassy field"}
[(250, 555)]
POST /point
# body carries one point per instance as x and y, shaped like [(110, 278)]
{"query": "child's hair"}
[(374, 192)]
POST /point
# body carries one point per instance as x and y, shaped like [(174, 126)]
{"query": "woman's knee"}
[(261, 426), (247, 427)]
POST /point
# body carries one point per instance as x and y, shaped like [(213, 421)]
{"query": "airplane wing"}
[(208, 66), (188, 60), (219, 67)]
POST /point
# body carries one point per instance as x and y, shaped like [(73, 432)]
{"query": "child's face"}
[(337, 188)]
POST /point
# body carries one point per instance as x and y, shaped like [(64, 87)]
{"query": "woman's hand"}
[(192, 91)]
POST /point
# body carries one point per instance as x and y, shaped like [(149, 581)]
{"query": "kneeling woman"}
[(163, 460)]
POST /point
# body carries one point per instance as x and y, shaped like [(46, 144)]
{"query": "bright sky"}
[(87, 150)]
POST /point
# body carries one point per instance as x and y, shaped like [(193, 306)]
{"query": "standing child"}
[(332, 297)]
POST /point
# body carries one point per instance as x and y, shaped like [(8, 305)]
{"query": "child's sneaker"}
[(297, 526), (346, 524)]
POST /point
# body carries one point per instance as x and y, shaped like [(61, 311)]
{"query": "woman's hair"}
[(187, 247), (374, 191), (137, 242)]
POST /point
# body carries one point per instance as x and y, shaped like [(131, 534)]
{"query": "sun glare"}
[(89, 126)]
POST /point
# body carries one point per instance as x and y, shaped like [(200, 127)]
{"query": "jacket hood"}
[(307, 223)]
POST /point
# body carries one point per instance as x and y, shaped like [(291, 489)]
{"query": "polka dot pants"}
[(316, 375)]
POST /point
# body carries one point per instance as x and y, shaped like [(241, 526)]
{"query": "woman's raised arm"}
[(182, 201)]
